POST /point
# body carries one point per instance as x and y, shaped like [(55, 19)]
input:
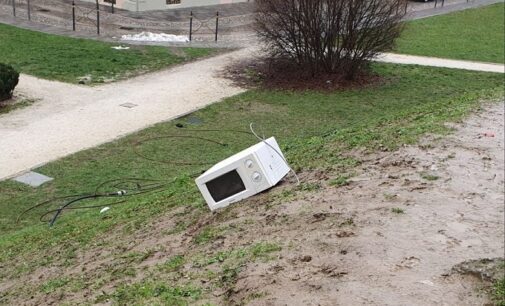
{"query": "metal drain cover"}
[(33, 179)]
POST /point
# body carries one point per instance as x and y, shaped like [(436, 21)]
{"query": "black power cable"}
[(143, 185), (186, 163), (150, 187)]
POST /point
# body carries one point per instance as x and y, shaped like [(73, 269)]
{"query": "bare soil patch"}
[(282, 74)]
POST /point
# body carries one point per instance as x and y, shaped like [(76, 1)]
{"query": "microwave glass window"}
[(225, 186)]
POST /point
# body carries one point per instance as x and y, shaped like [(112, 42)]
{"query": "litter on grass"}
[(104, 209), (120, 48), (160, 37)]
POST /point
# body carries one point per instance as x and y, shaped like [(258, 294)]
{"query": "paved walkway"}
[(70, 118), (427, 9), (440, 62)]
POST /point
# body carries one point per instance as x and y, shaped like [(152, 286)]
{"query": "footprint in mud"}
[(446, 239), (407, 263)]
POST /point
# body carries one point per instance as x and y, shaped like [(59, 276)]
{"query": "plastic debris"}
[(120, 48)]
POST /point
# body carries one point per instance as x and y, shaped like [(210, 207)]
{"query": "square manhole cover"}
[(194, 120), (128, 105), (33, 179)]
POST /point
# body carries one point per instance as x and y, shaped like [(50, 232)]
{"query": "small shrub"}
[(329, 36), (9, 78)]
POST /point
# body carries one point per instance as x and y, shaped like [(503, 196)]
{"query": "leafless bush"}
[(329, 36)]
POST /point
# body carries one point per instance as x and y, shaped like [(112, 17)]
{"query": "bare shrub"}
[(329, 36)]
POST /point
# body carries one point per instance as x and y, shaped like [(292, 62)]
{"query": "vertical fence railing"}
[(203, 24), (191, 26), (443, 2), (73, 15), (29, 10), (14, 8), (217, 25), (86, 17), (97, 18)]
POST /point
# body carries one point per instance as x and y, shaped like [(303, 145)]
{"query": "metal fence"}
[(105, 19)]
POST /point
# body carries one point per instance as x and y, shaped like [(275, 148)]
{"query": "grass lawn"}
[(315, 130), (474, 34), (68, 59)]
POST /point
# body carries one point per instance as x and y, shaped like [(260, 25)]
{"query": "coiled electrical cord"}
[(142, 185)]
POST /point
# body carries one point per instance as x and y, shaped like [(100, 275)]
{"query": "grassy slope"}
[(475, 34), (67, 59), (315, 131)]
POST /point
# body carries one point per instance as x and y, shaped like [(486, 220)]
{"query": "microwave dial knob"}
[(256, 177), (249, 163)]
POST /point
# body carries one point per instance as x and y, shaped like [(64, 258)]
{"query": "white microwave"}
[(243, 175)]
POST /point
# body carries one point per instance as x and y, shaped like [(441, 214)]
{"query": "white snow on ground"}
[(148, 36)]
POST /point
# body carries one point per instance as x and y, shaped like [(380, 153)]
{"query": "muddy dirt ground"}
[(391, 236), (448, 200)]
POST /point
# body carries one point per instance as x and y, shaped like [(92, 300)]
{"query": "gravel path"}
[(440, 62), (69, 118)]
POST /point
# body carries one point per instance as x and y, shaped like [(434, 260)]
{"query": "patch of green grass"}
[(5, 108), (309, 187), (54, 284), (498, 292), (258, 251), (262, 250), (207, 235), (473, 34), (397, 210), (316, 130), (341, 180), (152, 289), (68, 59), (429, 177), (136, 257), (153, 293), (228, 275), (173, 264)]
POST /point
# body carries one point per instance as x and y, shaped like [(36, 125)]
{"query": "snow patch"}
[(148, 36)]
